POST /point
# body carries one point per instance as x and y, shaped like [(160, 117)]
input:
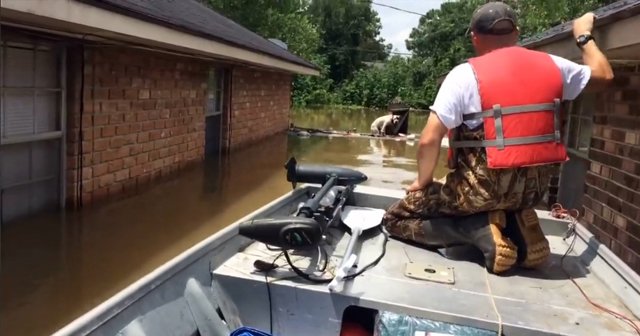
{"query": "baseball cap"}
[(486, 17)]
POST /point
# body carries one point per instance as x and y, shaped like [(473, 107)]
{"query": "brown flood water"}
[(56, 266)]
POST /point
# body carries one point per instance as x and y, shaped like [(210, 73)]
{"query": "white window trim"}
[(215, 71), (574, 149), (59, 134)]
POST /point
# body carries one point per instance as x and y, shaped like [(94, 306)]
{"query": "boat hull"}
[(213, 288)]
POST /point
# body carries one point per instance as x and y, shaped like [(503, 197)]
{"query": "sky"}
[(397, 25)]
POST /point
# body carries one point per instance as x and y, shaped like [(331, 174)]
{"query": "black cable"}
[(305, 275), (375, 262), (348, 277), (308, 277), (324, 253), (398, 9), (266, 281), (259, 264)]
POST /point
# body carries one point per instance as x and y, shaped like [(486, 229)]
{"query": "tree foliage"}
[(343, 38), (537, 16), (441, 35), (350, 35)]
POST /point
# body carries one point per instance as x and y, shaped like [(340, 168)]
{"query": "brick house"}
[(602, 132), (102, 97)]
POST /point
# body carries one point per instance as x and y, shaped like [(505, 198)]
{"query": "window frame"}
[(215, 89), (579, 125), (18, 40)]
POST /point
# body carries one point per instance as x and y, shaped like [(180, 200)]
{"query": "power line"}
[(366, 50), (398, 9)]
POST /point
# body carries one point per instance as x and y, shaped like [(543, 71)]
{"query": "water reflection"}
[(388, 163), (56, 266)]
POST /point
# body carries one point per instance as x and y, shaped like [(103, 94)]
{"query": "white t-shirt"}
[(458, 93)]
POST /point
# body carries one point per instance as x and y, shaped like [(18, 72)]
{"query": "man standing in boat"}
[(501, 113)]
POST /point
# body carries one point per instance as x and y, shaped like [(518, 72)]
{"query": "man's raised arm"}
[(601, 72)]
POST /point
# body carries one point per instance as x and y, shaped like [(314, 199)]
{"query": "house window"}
[(215, 89), (580, 124), (213, 113), (32, 100)]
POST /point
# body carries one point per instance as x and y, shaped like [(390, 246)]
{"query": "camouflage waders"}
[(501, 199)]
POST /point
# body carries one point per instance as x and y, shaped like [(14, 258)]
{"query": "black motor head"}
[(320, 174), (286, 232)]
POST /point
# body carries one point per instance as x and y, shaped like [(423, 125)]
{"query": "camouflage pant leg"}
[(464, 192)]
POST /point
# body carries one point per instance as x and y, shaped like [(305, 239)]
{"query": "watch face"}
[(583, 39)]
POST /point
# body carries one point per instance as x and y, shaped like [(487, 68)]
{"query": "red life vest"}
[(520, 92)]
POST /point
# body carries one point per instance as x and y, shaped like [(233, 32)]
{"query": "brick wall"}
[(612, 200), (142, 118), (260, 104), (554, 183)]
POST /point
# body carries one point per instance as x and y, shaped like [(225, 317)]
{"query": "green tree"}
[(441, 39), (285, 20), (342, 38), (288, 21), (540, 15), (350, 35), (378, 85)]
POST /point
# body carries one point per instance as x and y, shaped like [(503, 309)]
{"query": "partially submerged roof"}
[(178, 25), (606, 15)]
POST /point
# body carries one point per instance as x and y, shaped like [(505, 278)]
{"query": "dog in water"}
[(384, 125)]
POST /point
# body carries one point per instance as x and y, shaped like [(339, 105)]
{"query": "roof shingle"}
[(195, 18), (604, 15)]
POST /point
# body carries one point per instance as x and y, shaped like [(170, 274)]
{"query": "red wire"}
[(605, 309), (558, 211)]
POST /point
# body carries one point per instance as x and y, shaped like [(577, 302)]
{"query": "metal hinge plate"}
[(430, 272)]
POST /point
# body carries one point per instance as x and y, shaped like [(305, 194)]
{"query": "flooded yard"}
[(349, 118), (57, 266)]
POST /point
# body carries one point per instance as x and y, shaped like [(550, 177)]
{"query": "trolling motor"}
[(320, 174), (305, 229)]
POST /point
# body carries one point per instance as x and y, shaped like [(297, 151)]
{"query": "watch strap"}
[(584, 39)]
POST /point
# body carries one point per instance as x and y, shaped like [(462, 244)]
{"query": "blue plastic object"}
[(248, 331)]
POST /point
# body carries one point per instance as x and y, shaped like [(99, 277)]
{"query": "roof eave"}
[(151, 19), (606, 15), (77, 17)]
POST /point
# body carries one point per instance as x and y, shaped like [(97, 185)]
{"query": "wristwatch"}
[(584, 39)]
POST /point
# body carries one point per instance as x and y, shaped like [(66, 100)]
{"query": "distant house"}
[(377, 65), (104, 96), (602, 179)]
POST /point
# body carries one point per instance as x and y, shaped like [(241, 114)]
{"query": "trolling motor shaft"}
[(305, 229), (311, 205)]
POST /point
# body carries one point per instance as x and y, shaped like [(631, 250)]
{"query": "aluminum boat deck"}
[(530, 302)]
